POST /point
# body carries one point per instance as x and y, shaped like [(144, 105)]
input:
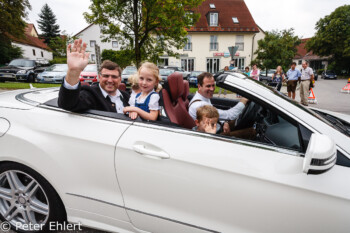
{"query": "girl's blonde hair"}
[(134, 81), (154, 69), (279, 69)]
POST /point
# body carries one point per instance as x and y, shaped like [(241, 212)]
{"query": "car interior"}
[(270, 126)]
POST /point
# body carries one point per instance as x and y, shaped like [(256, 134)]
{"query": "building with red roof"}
[(33, 48), (315, 62), (223, 23)]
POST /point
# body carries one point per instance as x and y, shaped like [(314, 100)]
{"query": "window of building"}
[(92, 57), (189, 14), (235, 20), (239, 63), (114, 44), (213, 19), (187, 64), (240, 42), (212, 6), (214, 43), (42, 54), (300, 62), (188, 46), (33, 52), (92, 43), (163, 62), (213, 65)]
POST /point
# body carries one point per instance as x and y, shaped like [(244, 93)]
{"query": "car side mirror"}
[(321, 154)]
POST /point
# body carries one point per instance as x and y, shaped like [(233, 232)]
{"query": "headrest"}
[(176, 86), (122, 87), (186, 90)]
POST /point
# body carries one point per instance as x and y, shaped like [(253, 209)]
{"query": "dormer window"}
[(235, 20), (213, 19), (212, 6)]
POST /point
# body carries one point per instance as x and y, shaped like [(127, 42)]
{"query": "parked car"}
[(266, 78), (329, 74), (108, 172), (185, 74), (129, 70), (89, 74), (164, 73), (21, 70), (53, 74), (192, 80)]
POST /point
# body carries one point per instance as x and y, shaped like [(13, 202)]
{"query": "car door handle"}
[(150, 152)]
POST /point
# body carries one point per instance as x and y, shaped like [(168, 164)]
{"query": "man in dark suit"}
[(105, 96)]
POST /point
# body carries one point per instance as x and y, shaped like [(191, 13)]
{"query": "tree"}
[(333, 38), (278, 48), (123, 57), (149, 28), (11, 24), (59, 44), (47, 24)]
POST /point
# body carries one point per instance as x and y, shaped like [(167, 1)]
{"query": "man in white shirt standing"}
[(105, 96), (206, 87), (307, 76)]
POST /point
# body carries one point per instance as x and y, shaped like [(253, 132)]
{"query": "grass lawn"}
[(14, 85)]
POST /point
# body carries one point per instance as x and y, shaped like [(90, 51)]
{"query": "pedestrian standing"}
[(246, 71), (278, 77), (307, 77), (220, 89), (254, 74), (293, 75)]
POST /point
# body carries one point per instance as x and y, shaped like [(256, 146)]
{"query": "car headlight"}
[(21, 72)]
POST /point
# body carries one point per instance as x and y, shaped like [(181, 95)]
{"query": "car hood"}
[(27, 98), (15, 68), (53, 73), (85, 73)]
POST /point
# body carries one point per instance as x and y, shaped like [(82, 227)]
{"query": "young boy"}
[(207, 118)]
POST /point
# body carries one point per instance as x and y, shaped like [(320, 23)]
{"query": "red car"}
[(89, 74)]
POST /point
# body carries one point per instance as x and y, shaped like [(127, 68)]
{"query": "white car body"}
[(119, 175)]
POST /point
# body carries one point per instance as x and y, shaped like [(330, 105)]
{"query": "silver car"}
[(129, 70), (53, 74)]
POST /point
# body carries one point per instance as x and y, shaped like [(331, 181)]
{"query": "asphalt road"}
[(328, 95)]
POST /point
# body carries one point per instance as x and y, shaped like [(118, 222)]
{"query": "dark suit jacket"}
[(87, 97)]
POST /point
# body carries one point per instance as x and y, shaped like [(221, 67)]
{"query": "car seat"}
[(185, 94), (174, 105)]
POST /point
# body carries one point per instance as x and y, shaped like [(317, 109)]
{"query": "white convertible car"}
[(107, 172)]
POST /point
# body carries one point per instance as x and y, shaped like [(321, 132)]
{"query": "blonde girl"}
[(146, 103)]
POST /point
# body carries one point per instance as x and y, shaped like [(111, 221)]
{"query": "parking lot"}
[(328, 95)]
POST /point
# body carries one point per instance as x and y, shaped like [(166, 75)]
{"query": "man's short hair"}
[(294, 63), (109, 65), (203, 75), (207, 111)]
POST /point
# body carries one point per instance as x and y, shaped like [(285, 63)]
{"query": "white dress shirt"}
[(229, 114), (114, 98)]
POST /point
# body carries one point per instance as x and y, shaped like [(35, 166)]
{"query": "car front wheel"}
[(27, 201)]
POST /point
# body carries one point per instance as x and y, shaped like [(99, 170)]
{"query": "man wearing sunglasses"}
[(105, 96)]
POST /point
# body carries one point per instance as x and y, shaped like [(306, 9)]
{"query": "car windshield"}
[(165, 71), (129, 71), (330, 72), (58, 68), (22, 63), (90, 68), (329, 121), (196, 73)]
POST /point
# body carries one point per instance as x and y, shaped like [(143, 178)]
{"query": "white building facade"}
[(92, 35)]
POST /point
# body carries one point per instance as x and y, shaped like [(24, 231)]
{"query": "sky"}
[(302, 15)]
